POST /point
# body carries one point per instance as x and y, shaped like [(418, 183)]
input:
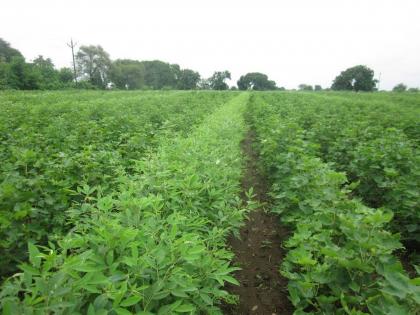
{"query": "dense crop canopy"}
[(341, 257), (54, 144)]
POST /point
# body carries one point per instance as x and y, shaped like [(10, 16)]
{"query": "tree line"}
[(16, 73), (94, 69)]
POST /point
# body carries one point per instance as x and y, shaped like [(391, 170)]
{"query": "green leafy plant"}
[(154, 245), (54, 143), (341, 257)]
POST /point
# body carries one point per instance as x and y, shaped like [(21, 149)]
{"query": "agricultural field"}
[(345, 175), (59, 149), (130, 202)]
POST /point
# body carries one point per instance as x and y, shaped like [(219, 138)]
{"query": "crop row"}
[(52, 144), (154, 246), (341, 255), (374, 142)]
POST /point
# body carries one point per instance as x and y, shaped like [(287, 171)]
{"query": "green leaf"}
[(230, 280), (110, 257), (34, 255), (29, 269), (415, 281), (89, 268), (9, 308), (122, 311), (185, 308), (206, 298), (294, 295), (398, 310), (91, 310), (131, 301), (160, 295), (179, 293), (97, 278), (397, 280)]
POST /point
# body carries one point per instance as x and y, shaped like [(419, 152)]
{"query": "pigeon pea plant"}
[(53, 143), (341, 254), (154, 246)]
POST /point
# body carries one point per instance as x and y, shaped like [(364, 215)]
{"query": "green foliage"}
[(19, 75), (93, 64), (52, 144), (155, 244), (159, 74), (204, 84), (133, 74), (413, 90), (255, 81), (97, 71), (357, 78), (16, 73), (48, 77), (121, 202), (217, 80), (7, 53), (374, 141), (188, 79), (127, 74), (401, 87), (305, 87), (341, 254)]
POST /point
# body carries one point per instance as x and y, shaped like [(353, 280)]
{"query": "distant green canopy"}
[(40, 74), (7, 53), (96, 70), (256, 81), (358, 78)]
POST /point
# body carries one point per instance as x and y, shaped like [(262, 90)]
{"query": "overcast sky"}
[(293, 42)]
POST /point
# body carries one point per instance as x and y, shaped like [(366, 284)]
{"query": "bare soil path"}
[(262, 290)]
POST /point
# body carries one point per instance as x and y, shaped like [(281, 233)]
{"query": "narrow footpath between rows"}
[(262, 290)]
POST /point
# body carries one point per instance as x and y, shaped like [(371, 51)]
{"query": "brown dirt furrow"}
[(262, 290)]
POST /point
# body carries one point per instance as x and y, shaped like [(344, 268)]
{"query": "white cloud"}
[(299, 41)]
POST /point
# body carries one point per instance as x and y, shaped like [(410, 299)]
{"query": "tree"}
[(22, 75), (413, 90), (401, 87), (176, 70), (318, 87), (65, 75), (94, 64), (305, 87), (159, 74), (128, 74), (4, 76), (12, 67), (155, 74), (204, 84), (42, 63), (7, 53), (256, 81), (16, 73), (188, 79), (358, 78), (47, 74), (217, 80)]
